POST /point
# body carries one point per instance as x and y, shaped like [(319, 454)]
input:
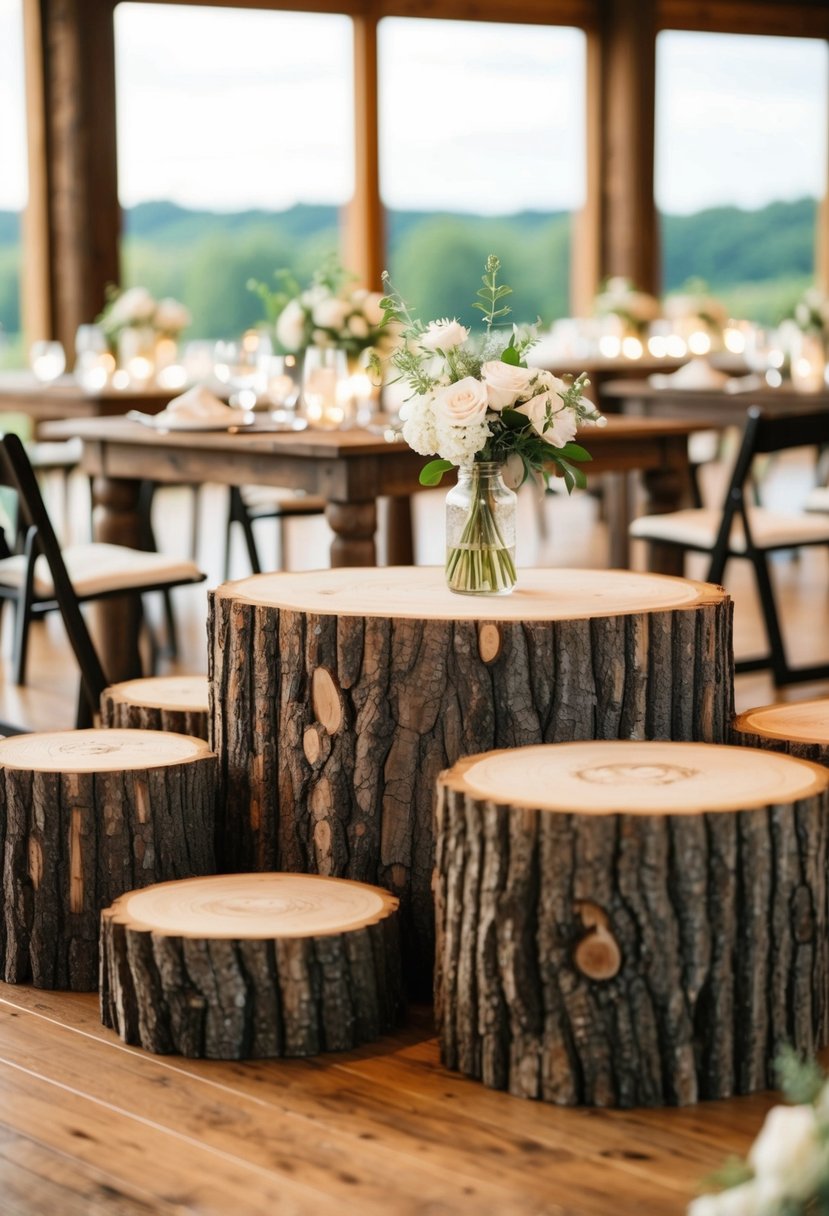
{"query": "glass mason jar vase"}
[(480, 532)]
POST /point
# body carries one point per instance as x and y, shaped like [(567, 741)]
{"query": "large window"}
[(482, 149), (740, 164), (235, 138), (13, 179)]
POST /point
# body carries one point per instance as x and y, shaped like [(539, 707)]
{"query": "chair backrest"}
[(767, 432), (18, 473)]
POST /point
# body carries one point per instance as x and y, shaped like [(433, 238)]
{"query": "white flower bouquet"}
[(787, 1169), (136, 308), (811, 312), (475, 402), (695, 308), (329, 312), (635, 309)]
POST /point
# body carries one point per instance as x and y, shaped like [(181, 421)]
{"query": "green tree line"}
[(758, 262)]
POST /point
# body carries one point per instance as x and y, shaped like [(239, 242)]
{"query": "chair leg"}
[(23, 611), (238, 513), (148, 543), (779, 665)]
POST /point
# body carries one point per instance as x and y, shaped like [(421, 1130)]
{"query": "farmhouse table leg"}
[(117, 621), (354, 525), (667, 489)]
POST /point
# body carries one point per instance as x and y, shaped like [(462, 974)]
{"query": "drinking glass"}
[(237, 364), (324, 374), (94, 363), (280, 377), (47, 360)]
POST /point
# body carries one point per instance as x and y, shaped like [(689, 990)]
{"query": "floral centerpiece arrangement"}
[(811, 312), (787, 1169), (329, 312), (137, 309), (476, 404), (635, 309), (694, 310)]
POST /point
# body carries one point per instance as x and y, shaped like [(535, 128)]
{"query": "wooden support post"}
[(364, 239)]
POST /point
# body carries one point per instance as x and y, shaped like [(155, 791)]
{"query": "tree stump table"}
[(84, 816), (251, 965), (800, 729), (340, 695), (173, 703), (631, 924)]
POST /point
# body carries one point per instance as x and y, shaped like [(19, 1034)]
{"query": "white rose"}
[(290, 326), (171, 316), (462, 403), (330, 313), (133, 307), (444, 335), (315, 295), (505, 383), (556, 429), (759, 1197), (358, 325), (787, 1145)]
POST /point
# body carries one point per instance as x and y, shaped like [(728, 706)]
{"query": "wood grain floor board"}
[(382, 1129)]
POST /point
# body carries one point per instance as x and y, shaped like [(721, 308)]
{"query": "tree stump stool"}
[(631, 924), (251, 965), (84, 816), (800, 729), (340, 695), (173, 703)]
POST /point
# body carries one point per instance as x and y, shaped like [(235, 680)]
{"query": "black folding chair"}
[(741, 530), (35, 588)]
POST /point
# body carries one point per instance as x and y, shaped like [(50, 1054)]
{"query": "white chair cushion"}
[(97, 568), (818, 499), (698, 529), (277, 498)]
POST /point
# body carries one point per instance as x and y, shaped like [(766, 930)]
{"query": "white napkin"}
[(698, 373), (200, 405)]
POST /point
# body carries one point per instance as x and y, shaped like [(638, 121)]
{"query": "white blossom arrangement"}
[(694, 306), (330, 311), (787, 1169), (811, 312), (475, 399), (619, 298), (136, 308)]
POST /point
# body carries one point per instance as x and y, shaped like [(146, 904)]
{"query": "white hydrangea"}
[(419, 425), (461, 444)]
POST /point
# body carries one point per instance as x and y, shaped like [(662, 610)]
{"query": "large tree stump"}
[(631, 924), (340, 695), (799, 729), (84, 816), (173, 703), (251, 965)]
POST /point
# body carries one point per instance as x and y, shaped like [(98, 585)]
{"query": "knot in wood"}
[(597, 954)]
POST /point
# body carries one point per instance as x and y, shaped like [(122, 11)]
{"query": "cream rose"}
[(562, 423), (171, 316), (290, 326), (372, 309), (444, 335), (462, 403), (358, 325), (787, 1145), (330, 313), (134, 307), (505, 383)]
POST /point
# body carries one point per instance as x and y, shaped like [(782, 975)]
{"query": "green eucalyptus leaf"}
[(574, 451), (511, 356), (577, 475), (431, 473)]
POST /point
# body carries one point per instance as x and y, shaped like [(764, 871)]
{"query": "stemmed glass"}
[(280, 377), (324, 377), (237, 364), (93, 362)]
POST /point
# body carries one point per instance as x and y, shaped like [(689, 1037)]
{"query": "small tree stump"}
[(631, 924), (340, 695), (799, 729), (84, 816), (173, 703), (251, 965)]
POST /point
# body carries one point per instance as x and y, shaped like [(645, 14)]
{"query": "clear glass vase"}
[(480, 532)]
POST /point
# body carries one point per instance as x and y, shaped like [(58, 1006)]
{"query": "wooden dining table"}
[(351, 470), (716, 407), (21, 393)]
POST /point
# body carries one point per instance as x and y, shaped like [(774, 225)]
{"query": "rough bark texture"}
[(73, 842), (629, 960), (413, 696), (122, 714), (805, 749), (241, 998)]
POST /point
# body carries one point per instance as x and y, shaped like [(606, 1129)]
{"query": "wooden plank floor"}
[(88, 1125)]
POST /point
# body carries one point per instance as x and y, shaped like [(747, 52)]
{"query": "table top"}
[(63, 398), (785, 397)]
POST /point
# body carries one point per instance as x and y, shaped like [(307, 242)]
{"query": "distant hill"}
[(758, 261)]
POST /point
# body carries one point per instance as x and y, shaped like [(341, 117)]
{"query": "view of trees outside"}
[(741, 147), (13, 177), (235, 158)]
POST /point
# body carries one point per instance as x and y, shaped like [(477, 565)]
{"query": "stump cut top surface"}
[(254, 906), (421, 592), (636, 778), (89, 751), (800, 721), (186, 693)]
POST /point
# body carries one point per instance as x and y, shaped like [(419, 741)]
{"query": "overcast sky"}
[(229, 109)]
